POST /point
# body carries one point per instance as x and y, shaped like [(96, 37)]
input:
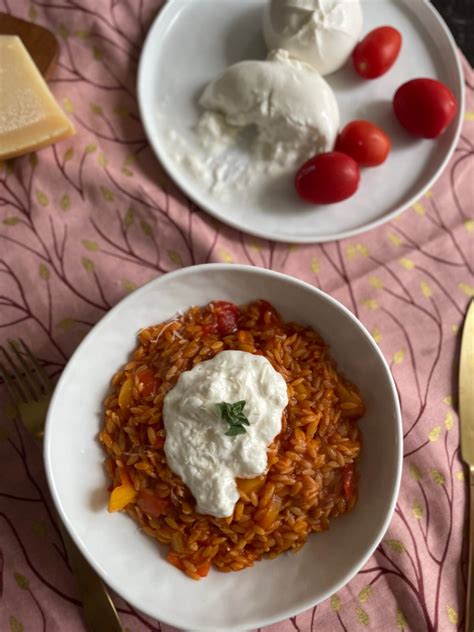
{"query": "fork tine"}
[(46, 382), (14, 386), (33, 385)]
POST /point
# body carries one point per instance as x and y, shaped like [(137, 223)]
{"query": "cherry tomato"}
[(425, 107), (377, 52), (365, 142), (327, 178)]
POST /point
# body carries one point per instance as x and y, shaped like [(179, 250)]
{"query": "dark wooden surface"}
[(459, 15)]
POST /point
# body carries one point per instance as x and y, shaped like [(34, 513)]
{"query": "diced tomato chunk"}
[(203, 570), (151, 504), (268, 314), (348, 480), (147, 378), (210, 328), (159, 442), (174, 559), (226, 317)]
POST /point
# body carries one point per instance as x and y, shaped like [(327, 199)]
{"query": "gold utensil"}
[(466, 418), (30, 391)]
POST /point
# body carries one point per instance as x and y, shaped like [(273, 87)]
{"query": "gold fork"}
[(30, 390)]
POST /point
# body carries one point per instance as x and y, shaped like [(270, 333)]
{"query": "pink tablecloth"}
[(85, 222)]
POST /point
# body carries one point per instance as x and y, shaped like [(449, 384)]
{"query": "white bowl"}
[(132, 563)]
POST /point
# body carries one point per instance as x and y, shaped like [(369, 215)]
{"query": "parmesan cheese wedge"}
[(30, 117)]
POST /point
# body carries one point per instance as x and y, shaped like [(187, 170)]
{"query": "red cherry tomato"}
[(377, 52), (425, 107), (365, 142), (327, 178)]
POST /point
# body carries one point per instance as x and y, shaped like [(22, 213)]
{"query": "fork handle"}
[(470, 579), (99, 611)]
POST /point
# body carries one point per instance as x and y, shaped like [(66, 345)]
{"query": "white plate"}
[(192, 41), (132, 563)]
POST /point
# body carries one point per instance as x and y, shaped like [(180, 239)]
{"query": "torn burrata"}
[(281, 108)]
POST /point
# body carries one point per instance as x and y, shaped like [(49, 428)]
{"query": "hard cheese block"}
[(30, 117)]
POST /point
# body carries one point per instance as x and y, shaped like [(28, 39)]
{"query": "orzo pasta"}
[(311, 475)]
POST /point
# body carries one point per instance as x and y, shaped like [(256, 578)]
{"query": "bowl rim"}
[(264, 272)]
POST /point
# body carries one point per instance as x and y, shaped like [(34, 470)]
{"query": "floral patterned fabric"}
[(86, 221)]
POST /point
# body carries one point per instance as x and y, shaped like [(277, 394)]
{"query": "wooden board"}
[(40, 43)]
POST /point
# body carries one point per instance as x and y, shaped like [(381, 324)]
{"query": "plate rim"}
[(180, 183), (190, 270)]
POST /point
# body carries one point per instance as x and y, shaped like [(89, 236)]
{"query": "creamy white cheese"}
[(289, 110), (196, 446), (322, 33)]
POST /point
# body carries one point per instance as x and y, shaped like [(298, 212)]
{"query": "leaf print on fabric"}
[(88, 264), (146, 228), (467, 289), (63, 31), (39, 529), (336, 603), (400, 620), (434, 433), (370, 303), (395, 239), (452, 615), (128, 286), (175, 257), (98, 53), (43, 271), (395, 545), (96, 109), (437, 476), (129, 217), (68, 154), (90, 245), (42, 198), (21, 581), (107, 194), (364, 594), (315, 265), (11, 221), (469, 225), (460, 475), (66, 323), (417, 510), (15, 625), (376, 335), (376, 282), (426, 289), (419, 208), (398, 356), (448, 421), (65, 202), (406, 263), (68, 105), (225, 256), (362, 616)]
